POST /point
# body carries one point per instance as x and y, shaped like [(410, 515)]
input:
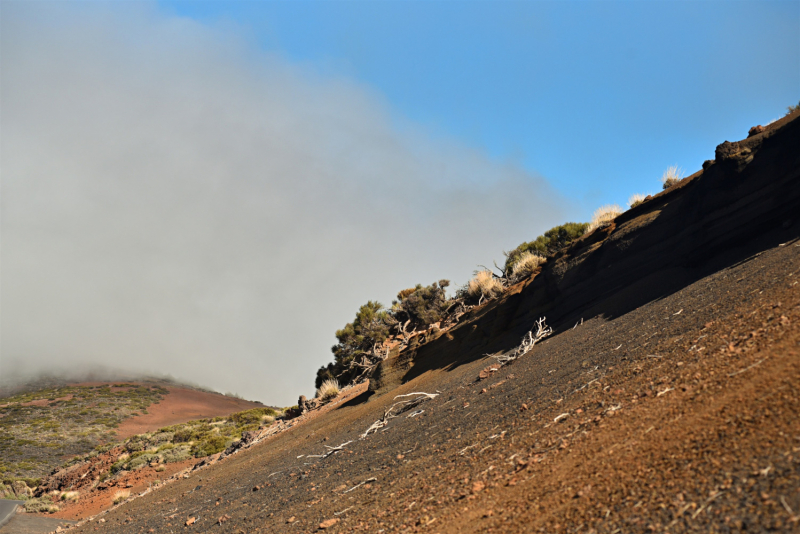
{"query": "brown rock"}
[(191, 521), (21, 488), (486, 373), (755, 130), (478, 486), (328, 523)]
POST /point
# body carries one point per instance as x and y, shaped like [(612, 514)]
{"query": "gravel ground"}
[(678, 416)]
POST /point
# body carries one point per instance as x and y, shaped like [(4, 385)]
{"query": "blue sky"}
[(598, 97)]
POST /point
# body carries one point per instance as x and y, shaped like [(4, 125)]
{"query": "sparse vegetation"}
[(546, 244), (420, 306), (71, 496), (328, 389), (483, 286), (121, 495), (527, 263), (792, 109), (671, 176), (37, 428), (603, 215), (635, 200), (356, 341)]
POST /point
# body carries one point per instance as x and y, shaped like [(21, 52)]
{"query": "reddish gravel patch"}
[(181, 405)]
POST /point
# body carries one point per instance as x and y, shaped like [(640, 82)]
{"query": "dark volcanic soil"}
[(671, 407)]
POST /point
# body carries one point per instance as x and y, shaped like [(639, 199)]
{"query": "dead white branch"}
[(397, 408), (331, 450), (373, 479), (747, 368), (530, 339)]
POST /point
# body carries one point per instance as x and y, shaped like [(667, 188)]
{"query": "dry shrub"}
[(70, 496), (328, 390), (525, 265), (671, 176), (603, 215), (121, 495), (635, 200), (484, 285)]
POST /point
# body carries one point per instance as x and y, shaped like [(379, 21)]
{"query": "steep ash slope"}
[(711, 219), (671, 408)]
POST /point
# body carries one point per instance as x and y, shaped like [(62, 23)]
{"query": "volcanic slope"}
[(665, 400)]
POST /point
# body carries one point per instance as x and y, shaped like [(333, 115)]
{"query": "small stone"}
[(290, 520), (523, 407), (328, 523), (400, 456), (191, 521), (478, 486)]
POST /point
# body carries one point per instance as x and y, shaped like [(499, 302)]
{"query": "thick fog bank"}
[(175, 201)]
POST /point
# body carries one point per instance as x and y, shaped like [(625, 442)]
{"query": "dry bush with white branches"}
[(540, 331), (671, 176), (525, 265), (603, 215), (328, 390), (635, 200), (484, 286)]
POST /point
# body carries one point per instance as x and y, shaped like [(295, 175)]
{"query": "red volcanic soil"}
[(100, 498), (181, 405)]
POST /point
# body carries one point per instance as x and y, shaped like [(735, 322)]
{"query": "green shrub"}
[(176, 454), (548, 243), (141, 461), (422, 305), (252, 417), (370, 327), (212, 444)]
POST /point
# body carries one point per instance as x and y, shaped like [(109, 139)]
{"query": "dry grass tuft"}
[(484, 285), (671, 176), (121, 495), (604, 214), (635, 200), (328, 390), (526, 264), (70, 496)]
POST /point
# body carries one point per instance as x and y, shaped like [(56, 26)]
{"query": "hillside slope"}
[(666, 399)]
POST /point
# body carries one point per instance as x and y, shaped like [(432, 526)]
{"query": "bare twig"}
[(331, 450), (747, 368), (373, 479), (397, 408)]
